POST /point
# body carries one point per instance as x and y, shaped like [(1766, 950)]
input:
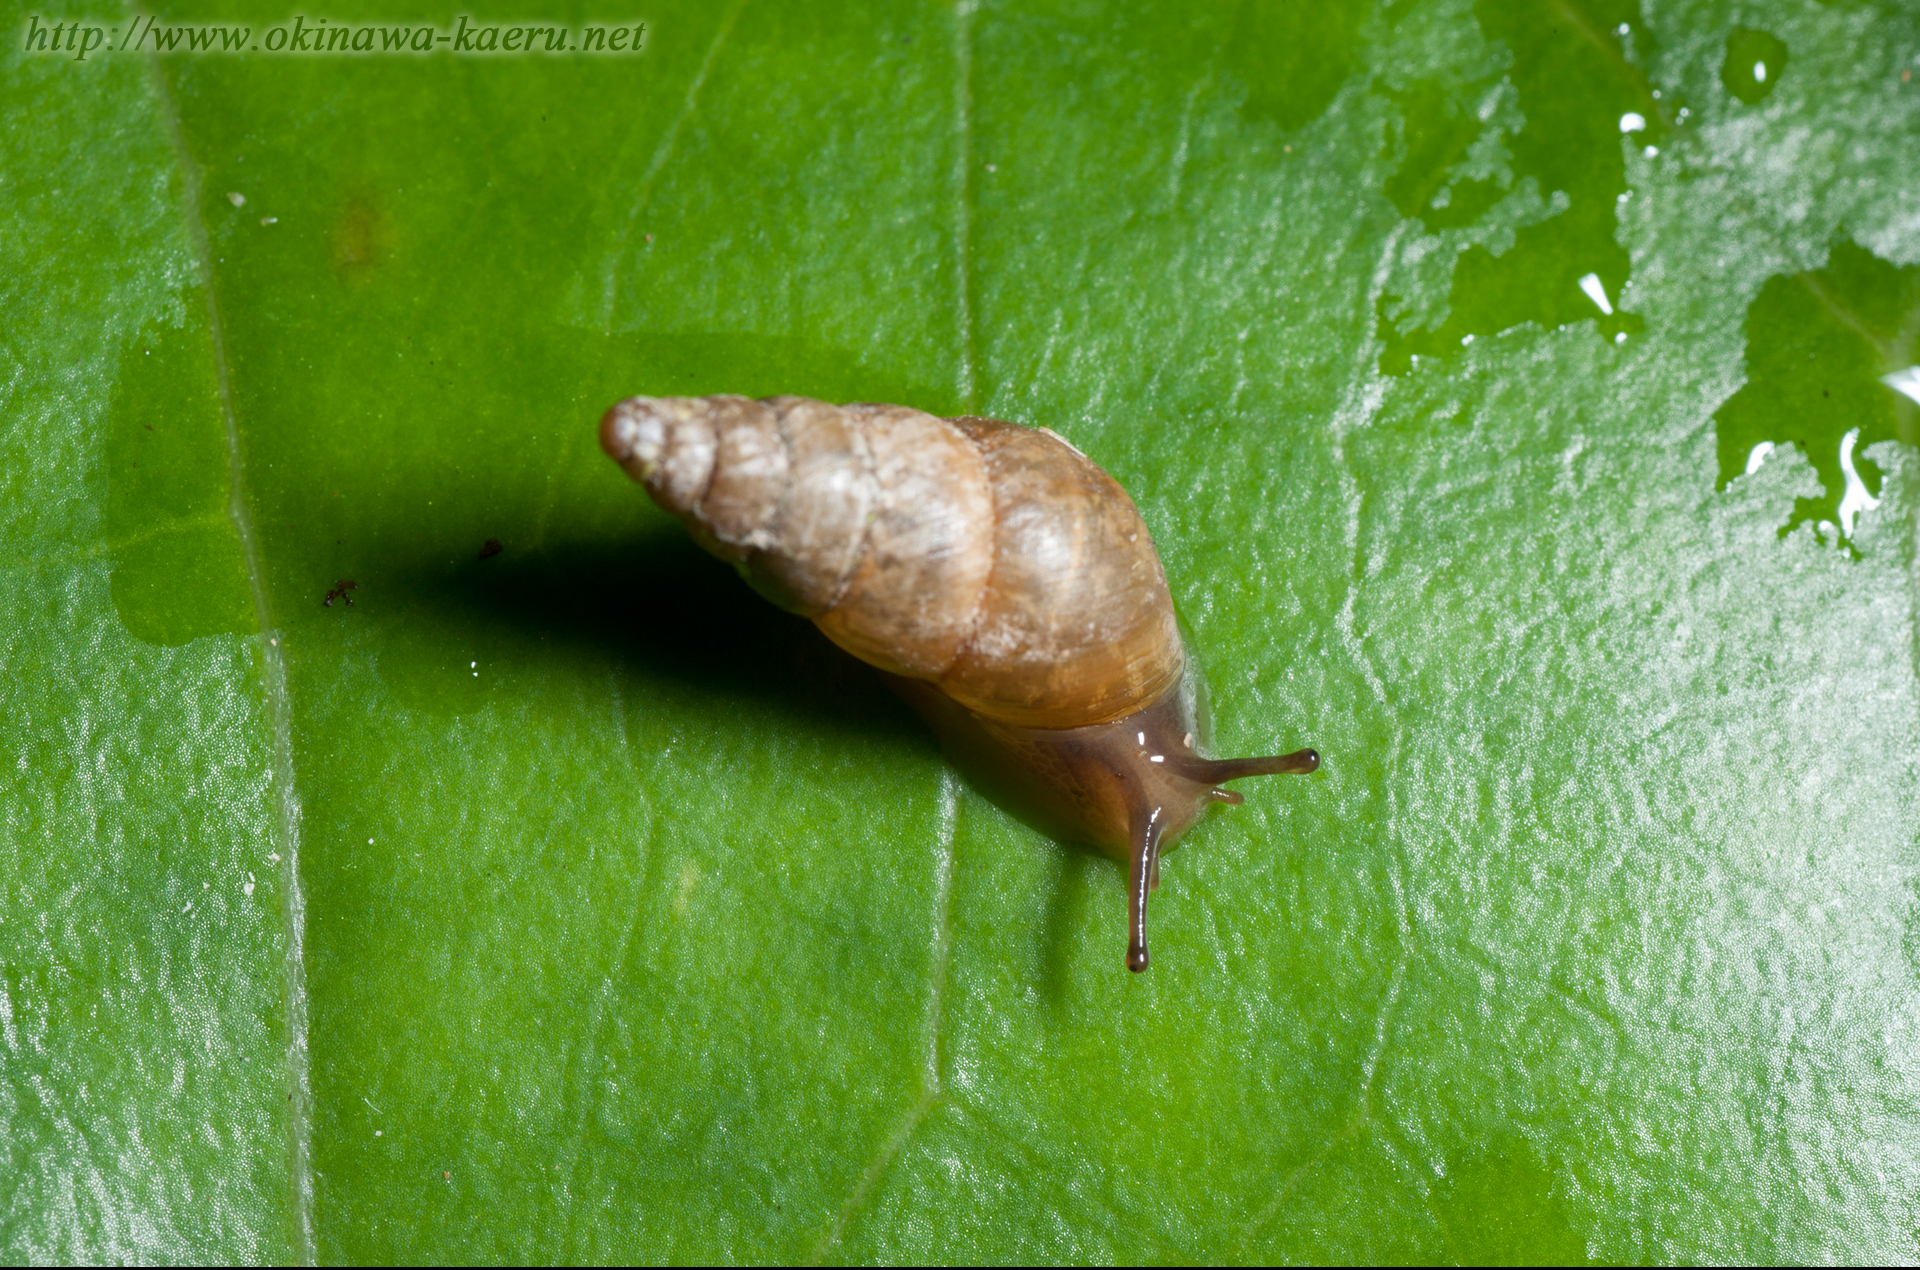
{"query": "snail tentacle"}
[(1142, 871)]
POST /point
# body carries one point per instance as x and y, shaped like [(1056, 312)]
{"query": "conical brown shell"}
[(992, 560)]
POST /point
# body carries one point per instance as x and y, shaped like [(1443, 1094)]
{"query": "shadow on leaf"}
[(669, 621)]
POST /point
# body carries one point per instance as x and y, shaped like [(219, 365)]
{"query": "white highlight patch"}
[(1905, 382), (689, 879), (1596, 292), (1757, 456), (1856, 499), (1633, 121), (1759, 72)]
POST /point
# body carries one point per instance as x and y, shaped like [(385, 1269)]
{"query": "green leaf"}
[(1755, 62), (367, 895), (1827, 352)]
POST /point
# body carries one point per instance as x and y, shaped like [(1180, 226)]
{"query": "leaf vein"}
[(932, 1089), (661, 153), (963, 211), (274, 690)]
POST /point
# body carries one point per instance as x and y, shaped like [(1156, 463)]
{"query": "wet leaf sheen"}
[(1519, 393)]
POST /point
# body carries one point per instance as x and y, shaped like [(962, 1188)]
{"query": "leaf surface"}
[(368, 898)]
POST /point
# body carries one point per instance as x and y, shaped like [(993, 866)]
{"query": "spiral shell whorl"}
[(666, 443), (990, 559)]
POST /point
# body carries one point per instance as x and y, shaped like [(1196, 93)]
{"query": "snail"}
[(1000, 581)]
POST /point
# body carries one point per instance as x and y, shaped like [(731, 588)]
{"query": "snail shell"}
[(1004, 583)]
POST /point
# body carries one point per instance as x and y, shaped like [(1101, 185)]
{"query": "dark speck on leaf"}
[(492, 548), (339, 592)]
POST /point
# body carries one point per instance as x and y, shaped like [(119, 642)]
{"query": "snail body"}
[(1003, 583)]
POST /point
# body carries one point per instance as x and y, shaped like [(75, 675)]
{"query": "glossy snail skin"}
[(1004, 584)]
